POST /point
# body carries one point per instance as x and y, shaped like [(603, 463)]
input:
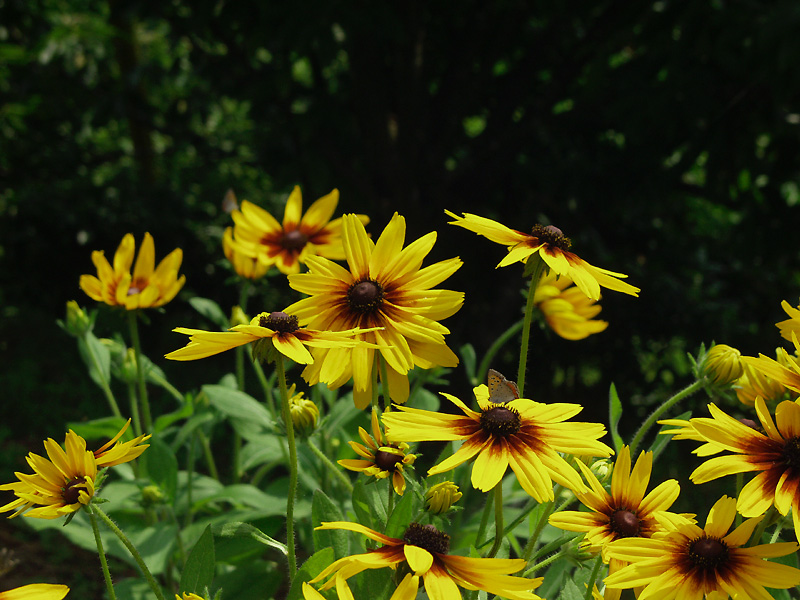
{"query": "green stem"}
[(147, 420), (593, 577), (102, 554), (133, 401), (173, 391), (498, 519), (287, 419), (209, 455), (483, 368), (237, 439), (762, 525), (526, 325), (547, 561), (266, 388), (375, 367), (112, 402), (533, 541), (654, 416), (132, 549), (484, 521), (387, 399), (517, 520), (343, 479)]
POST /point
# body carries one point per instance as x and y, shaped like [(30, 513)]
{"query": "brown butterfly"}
[(501, 389)]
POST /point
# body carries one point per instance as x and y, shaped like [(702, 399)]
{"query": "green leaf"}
[(98, 429), (238, 405), (245, 494), (571, 591), (210, 310), (323, 510), (97, 359), (237, 529), (310, 569), (614, 415), (162, 466), (469, 360), (402, 515), (164, 421), (198, 573), (370, 503), (661, 441)]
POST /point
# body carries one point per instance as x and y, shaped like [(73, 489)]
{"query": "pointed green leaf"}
[(198, 573), (324, 510), (310, 569)]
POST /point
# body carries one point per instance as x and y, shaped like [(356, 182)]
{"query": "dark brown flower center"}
[(625, 523), (500, 421), (427, 537), (71, 492), (386, 461), (294, 240), (708, 553), (280, 322), (551, 236), (791, 453), (365, 296)]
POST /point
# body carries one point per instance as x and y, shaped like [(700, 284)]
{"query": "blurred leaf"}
[(198, 572), (310, 569), (238, 405), (247, 530), (161, 466), (97, 359), (615, 414), (211, 310), (323, 510)]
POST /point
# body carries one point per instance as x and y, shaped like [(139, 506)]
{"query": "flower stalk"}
[(287, 419), (538, 269), (147, 420), (656, 414), (102, 554)]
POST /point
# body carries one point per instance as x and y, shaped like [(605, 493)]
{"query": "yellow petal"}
[(293, 210), (419, 559), (146, 259)]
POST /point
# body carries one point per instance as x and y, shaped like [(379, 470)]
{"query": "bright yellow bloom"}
[(785, 370), (753, 383), (567, 310), (553, 248), (65, 482), (380, 458), (36, 591), (522, 434), (790, 326), (244, 264), (774, 455), (146, 287), (623, 512), (384, 287), (691, 563), (280, 328), (259, 235), (423, 552), (440, 497)]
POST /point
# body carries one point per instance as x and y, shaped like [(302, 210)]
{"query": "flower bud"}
[(440, 497), (152, 495), (305, 413), (722, 364), (77, 323), (127, 369), (753, 383), (239, 317)]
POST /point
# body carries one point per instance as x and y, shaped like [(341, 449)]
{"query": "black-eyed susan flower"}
[(279, 329), (753, 383), (622, 512), (522, 434), (246, 264), (566, 309), (380, 459), (423, 553), (385, 287), (785, 370), (36, 591), (773, 454), (146, 287), (553, 247), (115, 453), (440, 497), (259, 235), (692, 563)]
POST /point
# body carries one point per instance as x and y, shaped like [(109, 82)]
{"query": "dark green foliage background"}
[(663, 137)]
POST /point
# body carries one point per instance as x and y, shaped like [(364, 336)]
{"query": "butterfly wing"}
[(501, 389)]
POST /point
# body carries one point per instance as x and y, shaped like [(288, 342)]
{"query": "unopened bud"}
[(305, 413), (440, 497), (239, 317), (77, 323), (722, 364)]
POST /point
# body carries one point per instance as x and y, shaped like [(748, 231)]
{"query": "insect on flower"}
[(501, 390)]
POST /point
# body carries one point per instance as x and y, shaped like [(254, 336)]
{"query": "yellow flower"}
[(567, 310), (552, 246), (423, 552), (65, 482), (774, 455), (790, 326), (279, 328), (722, 364), (244, 264), (385, 287), (522, 434), (753, 383), (691, 562), (624, 512), (380, 458), (440, 497), (785, 371), (146, 287), (259, 235), (36, 591)]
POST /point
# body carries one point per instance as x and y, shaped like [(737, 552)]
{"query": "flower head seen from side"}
[(244, 263), (549, 243), (423, 552), (385, 287), (566, 309), (522, 434), (691, 562), (441, 497), (379, 458), (36, 591), (753, 383), (622, 512), (785, 370), (790, 326), (279, 330), (64, 481), (288, 244), (147, 286), (773, 455)]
